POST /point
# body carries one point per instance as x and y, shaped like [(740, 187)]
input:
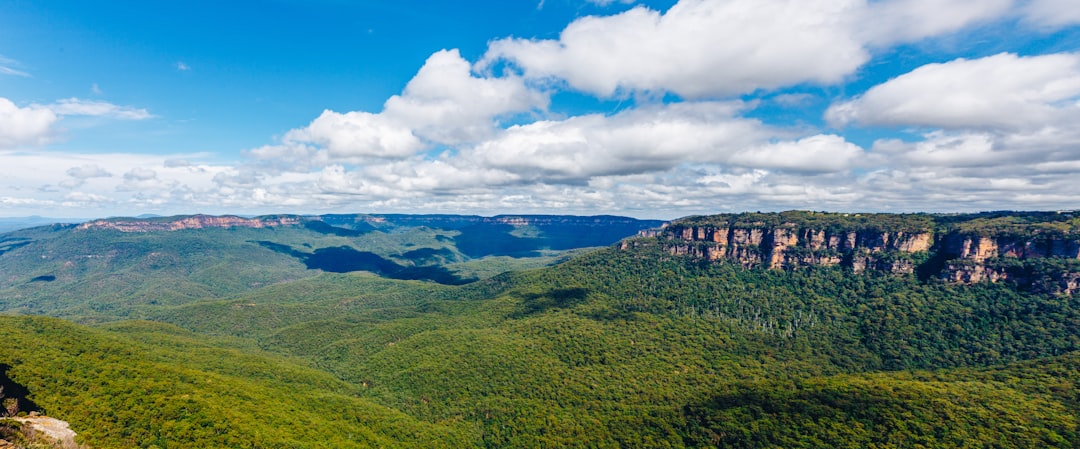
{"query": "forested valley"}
[(634, 344)]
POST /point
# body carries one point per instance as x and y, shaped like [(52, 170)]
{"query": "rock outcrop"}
[(963, 249), (789, 245), (45, 432)]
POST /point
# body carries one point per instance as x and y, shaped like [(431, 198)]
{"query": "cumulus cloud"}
[(997, 132), (33, 125), (89, 171), (970, 169), (820, 153), (147, 184), (720, 48), (480, 137), (496, 144), (355, 134), (140, 174), (1001, 91), (893, 21), (78, 175), (445, 103), (29, 125), (1051, 14), (634, 141), (85, 199), (696, 49), (598, 159)]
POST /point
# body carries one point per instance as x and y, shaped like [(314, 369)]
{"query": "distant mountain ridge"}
[(201, 221), (8, 224), (180, 223), (92, 267)]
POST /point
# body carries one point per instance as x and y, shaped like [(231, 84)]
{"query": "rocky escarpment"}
[(1037, 250), (366, 222), (190, 222), (789, 245), (460, 221), (1042, 260)]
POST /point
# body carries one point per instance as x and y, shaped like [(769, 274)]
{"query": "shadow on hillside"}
[(14, 390), (490, 239), (325, 228), (557, 298), (344, 259)]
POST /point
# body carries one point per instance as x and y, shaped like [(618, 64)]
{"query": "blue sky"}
[(649, 109)]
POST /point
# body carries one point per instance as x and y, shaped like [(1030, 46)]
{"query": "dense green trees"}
[(614, 348), (148, 385)]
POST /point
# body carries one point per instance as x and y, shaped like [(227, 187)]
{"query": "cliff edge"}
[(1035, 250)]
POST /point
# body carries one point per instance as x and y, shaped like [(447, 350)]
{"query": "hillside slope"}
[(142, 384), (103, 268), (638, 344)]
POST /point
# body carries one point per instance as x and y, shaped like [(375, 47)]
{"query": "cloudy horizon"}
[(644, 109)]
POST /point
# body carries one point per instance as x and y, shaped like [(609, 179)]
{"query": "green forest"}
[(619, 346)]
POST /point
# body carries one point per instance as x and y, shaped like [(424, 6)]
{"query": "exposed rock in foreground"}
[(44, 431), (1038, 250)]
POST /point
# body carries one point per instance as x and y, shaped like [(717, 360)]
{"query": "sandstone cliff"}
[(790, 245), (189, 222), (364, 222), (957, 248)]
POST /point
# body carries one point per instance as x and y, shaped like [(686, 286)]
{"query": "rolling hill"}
[(769, 338)]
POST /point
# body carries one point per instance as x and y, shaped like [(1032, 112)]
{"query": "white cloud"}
[(79, 174), (1051, 14), (697, 48), (29, 125), (693, 155), (793, 100), (997, 132), (25, 178), (608, 2), (85, 199), (182, 66), (445, 103), (720, 48), (889, 22), (634, 141), (10, 71), (75, 106), (1003, 91), (820, 153), (7, 67), (140, 174), (946, 150), (33, 124), (355, 135), (1002, 132)]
